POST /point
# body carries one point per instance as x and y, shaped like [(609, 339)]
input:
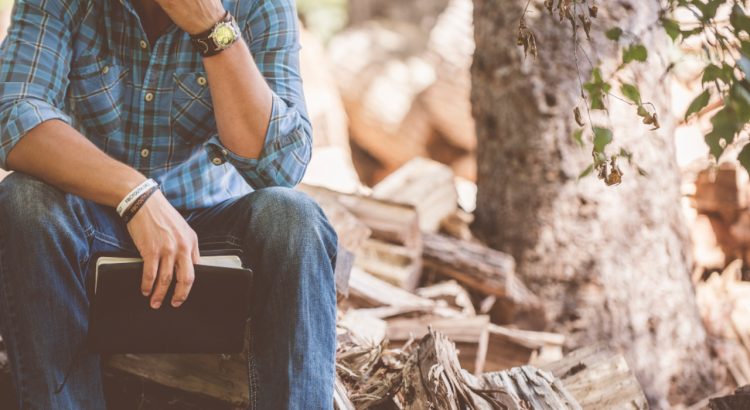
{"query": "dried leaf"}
[(578, 117)]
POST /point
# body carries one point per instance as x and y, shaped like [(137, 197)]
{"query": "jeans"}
[(47, 238)]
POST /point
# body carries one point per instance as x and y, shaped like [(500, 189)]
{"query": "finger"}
[(150, 266), (166, 271), (196, 255), (185, 277)]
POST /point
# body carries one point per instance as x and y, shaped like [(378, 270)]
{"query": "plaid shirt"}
[(89, 64)]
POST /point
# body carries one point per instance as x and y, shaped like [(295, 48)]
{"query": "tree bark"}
[(611, 263)]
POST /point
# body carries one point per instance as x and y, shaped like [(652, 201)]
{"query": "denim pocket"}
[(192, 118), (97, 91)]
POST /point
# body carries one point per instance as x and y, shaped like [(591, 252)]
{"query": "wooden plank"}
[(395, 264), (389, 221), (599, 379), (483, 270), (426, 184), (366, 290), (469, 333), (208, 374), (509, 347)]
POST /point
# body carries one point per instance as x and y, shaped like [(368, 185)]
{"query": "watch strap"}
[(204, 42)]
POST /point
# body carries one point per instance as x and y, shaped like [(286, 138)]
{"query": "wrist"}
[(207, 22), (146, 187)]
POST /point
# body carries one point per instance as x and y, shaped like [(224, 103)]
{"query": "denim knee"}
[(28, 203), (291, 218)]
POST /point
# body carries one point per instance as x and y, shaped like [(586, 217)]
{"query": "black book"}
[(211, 320)]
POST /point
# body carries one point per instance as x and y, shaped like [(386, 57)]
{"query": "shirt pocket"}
[(192, 118), (97, 92)]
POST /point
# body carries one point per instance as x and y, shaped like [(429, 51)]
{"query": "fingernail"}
[(156, 305), (176, 303), (144, 292)]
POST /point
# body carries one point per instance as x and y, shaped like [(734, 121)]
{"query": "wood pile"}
[(425, 318), (720, 197), (405, 85)]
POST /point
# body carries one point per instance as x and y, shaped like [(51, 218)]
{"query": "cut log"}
[(388, 221), (468, 333), (450, 293), (599, 379), (433, 379), (513, 347), (451, 48), (378, 298), (486, 271), (366, 290), (527, 388), (217, 376), (740, 400), (721, 190), (380, 73), (426, 184), (394, 264)]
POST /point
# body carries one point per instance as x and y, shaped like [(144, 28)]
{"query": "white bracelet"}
[(134, 194)]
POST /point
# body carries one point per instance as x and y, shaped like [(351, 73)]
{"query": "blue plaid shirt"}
[(90, 64)]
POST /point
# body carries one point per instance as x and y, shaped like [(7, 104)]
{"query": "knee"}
[(27, 201), (291, 216)]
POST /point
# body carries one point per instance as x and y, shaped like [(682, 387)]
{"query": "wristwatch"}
[(219, 37)]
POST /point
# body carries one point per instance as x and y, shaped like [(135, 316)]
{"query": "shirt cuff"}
[(22, 117), (278, 163)]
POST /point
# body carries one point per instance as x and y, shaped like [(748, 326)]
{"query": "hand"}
[(193, 16), (167, 245)]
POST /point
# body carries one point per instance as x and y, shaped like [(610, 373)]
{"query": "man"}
[(203, 97)]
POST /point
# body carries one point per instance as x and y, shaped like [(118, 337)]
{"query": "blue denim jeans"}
[(47, 238)]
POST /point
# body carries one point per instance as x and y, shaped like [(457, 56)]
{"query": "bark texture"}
[(609, 262)]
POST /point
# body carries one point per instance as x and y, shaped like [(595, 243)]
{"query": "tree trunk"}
[(611, 263)]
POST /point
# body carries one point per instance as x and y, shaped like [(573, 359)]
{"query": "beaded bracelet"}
[(136, 206)]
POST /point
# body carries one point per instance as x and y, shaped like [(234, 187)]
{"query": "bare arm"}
[(256, 89), (58, 154)]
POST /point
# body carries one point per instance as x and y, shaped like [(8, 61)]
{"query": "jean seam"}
[(11, 314), (252, 371), (221, 240), (109, 240)]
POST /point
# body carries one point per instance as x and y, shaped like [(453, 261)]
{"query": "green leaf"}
[(578, 137), (671, 27), (698, 103), (635, 52), (712, 72), (586, 172), (614, 33), (739, 20), (602, 138), (713, 140), (744, 157), (631, 92)]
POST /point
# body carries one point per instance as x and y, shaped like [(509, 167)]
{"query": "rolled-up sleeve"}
[(34, 66), (273, 35)]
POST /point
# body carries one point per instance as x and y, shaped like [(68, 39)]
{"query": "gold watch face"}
[(224, 35)]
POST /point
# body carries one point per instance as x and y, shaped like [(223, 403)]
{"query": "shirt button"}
[(143, 44), (224, 152), (217, 161), (145, 152), (105, 70), (202, 80), (149, 97)]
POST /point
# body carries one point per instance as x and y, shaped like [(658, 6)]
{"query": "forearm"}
[(242, 99), (58, 154)]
